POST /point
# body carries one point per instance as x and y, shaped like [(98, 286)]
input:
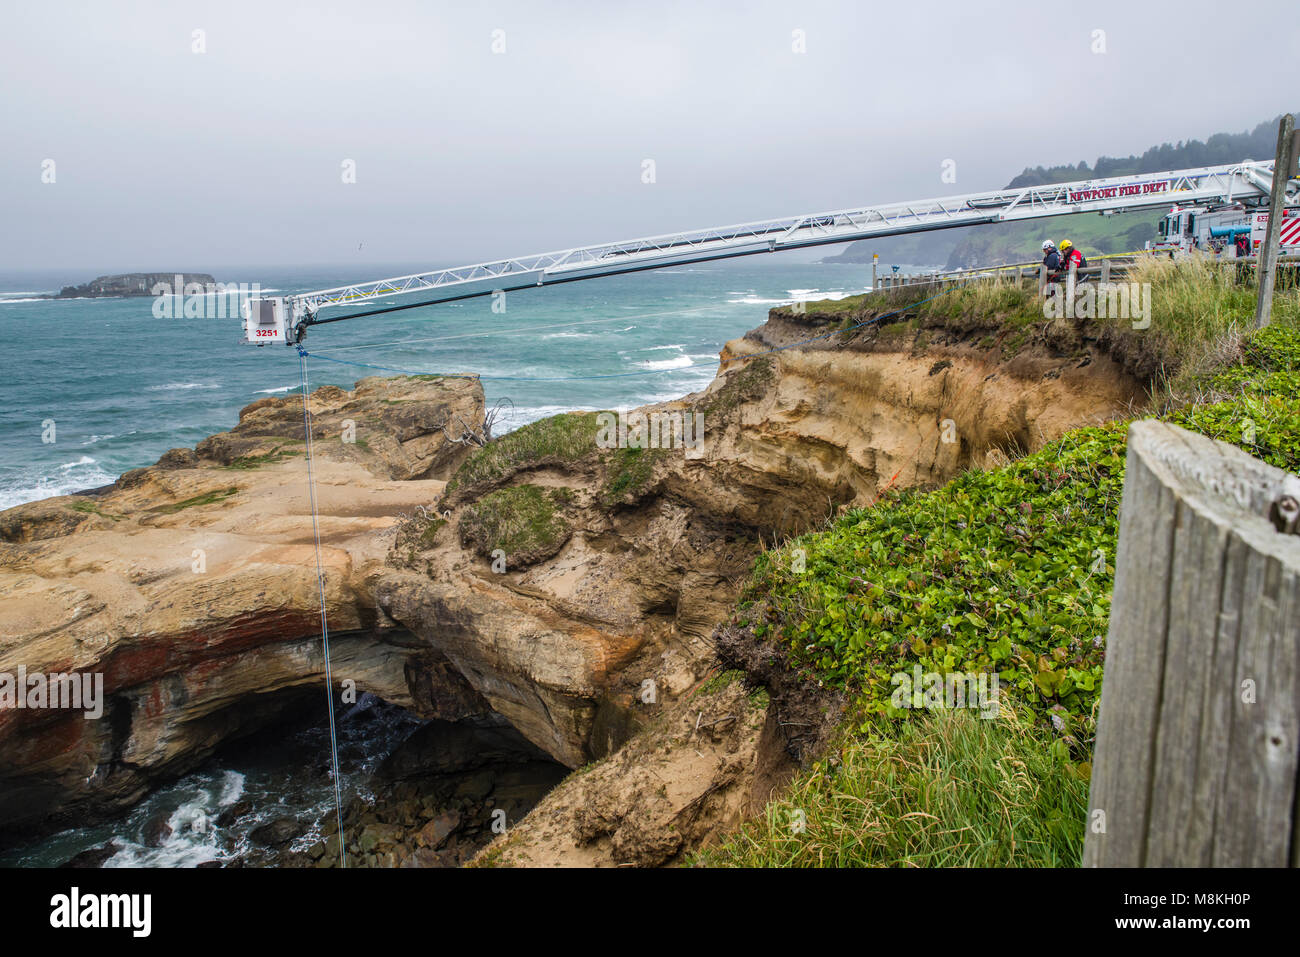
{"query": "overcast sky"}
[(167, 158)]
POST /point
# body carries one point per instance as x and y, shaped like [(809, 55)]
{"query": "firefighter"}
[(1071, 256), (1052, 260)]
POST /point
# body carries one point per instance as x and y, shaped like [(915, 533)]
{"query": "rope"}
[(324, 625), (623, 375), (529, 330)]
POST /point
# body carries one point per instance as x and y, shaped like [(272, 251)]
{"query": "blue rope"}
[(324, 625), (623, 375)]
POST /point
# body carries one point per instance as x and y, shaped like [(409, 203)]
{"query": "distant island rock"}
[(134, 284)]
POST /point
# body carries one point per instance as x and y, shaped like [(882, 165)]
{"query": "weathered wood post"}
[(1283, 165), (1198, 737)]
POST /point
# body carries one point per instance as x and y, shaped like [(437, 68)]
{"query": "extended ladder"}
[(285, 319)]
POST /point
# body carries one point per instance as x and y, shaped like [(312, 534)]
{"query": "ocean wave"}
[(181, 386), (519, 417), (72, 477), (676, 345), (4, 301), (283, 388), (676, 362)]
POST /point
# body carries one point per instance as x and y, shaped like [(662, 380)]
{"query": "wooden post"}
[(1282, 164), (1105, 271), (875, 259), (1042, 280), (1199, 732)]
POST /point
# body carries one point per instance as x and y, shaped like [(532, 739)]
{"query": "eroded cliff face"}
[(600, 624), (571, 588), (190, 586)]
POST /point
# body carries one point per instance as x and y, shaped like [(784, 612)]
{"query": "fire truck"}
[(1214, 229)]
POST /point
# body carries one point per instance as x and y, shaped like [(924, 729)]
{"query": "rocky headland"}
[(136, 284), (570, 595)]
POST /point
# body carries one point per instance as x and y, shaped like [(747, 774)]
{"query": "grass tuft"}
[(949, 790)]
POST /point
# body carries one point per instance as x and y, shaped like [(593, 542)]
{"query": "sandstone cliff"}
[(570, 588), (191, 587)]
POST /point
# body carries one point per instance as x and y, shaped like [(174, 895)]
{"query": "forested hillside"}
[(999, 243)]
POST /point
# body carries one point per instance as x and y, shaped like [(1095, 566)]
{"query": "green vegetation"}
[(630, 472), (1256, 405), (522, 520), (207, 498), (278, 454), (721, 680), (87, 507), (951, 790), (560, 438), (1008, 570), (1259, 143)]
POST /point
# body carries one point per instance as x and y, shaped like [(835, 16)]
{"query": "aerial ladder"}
[(286, 319)]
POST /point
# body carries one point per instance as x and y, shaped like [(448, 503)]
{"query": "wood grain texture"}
[(1198, 740)]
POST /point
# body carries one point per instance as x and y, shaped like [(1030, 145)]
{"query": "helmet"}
[(1048, 244), (1066, 244)]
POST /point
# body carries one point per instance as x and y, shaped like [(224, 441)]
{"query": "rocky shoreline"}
[(135, 284), (591, 637)]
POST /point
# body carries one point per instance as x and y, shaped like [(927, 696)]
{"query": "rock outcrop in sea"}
[(137, 284)]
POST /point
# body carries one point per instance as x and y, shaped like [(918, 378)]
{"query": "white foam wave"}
[(676, 362), (181, 386), (232, 788), (69, 478)]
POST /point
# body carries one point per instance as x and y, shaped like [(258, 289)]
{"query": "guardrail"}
[(1109, 267)]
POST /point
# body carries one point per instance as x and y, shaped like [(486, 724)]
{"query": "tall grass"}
[(947, 789)]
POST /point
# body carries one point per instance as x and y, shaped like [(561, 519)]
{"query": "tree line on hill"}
[(998, 243)]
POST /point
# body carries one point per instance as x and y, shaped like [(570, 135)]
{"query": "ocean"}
[(94, 387), (114, 387)]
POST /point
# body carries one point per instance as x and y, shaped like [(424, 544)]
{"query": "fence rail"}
[(1109, 267), (1198, 739)]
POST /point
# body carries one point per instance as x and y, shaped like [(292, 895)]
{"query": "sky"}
[(141, 136)]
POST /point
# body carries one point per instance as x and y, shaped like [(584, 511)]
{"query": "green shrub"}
[(559, 438)]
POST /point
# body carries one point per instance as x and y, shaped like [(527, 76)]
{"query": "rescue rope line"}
[(529, 330), (324, 624), (622, 375)]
